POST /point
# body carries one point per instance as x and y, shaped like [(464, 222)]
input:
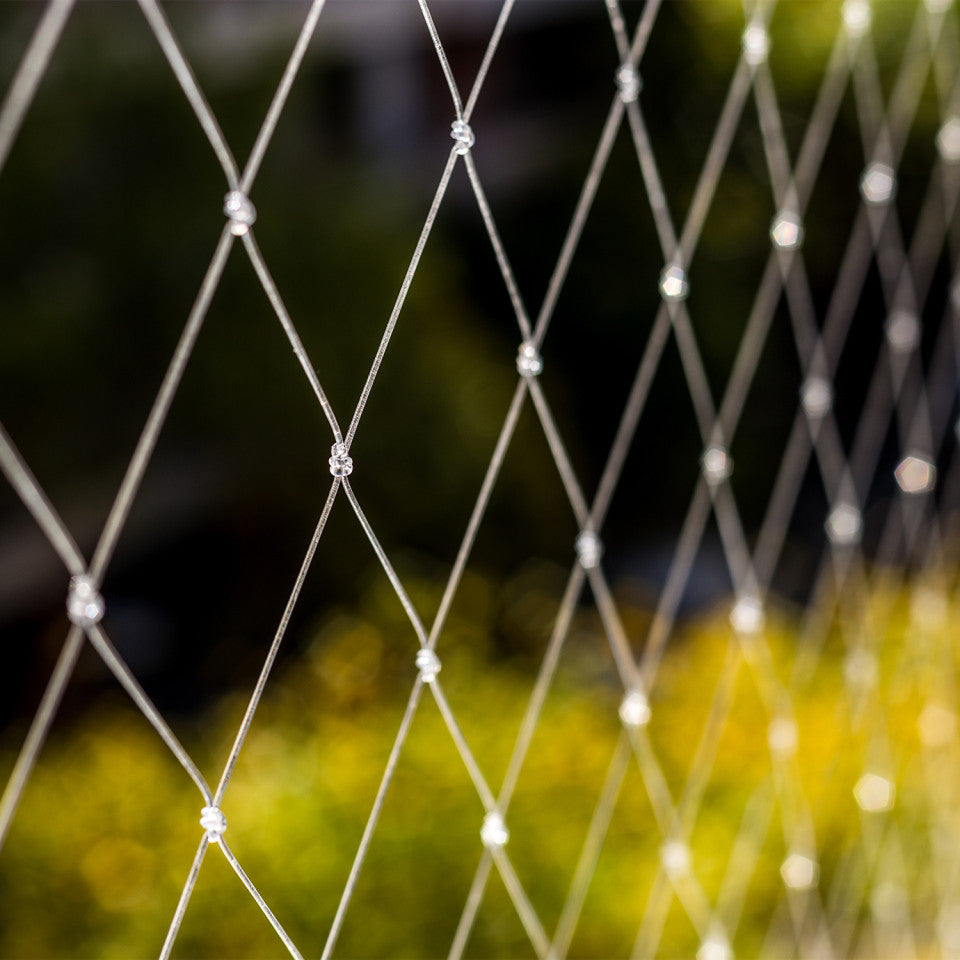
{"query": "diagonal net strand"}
[(710, 173), (734, 528), (29, 74), (901, 396), (741, 354), (120, 510), (111, 532), (486, 796), (888, 525), (820, 413)]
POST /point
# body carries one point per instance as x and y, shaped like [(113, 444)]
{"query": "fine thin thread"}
[(23, 481), (30, 73), (261, 903), (273, 294), (127, 680), (412, 702), (290, 73), (257, 694), (590, 854), (479, 508), (39, 727), (488, 54), (184, 900), (402, 295), (506, 271), (191, 90), (899, 394), (158, 413), (442, 57), (523, 906)]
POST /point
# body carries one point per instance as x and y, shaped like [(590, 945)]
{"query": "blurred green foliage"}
[(111, 206), (108, 826)]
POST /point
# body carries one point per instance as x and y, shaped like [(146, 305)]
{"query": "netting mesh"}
[(873, 631)]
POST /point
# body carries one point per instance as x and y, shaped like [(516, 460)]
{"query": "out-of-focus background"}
[(110, 207)]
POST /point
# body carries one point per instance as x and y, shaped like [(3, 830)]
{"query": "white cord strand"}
[(911, 395)]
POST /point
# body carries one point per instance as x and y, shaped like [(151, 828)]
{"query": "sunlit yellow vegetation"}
[(108, 826)]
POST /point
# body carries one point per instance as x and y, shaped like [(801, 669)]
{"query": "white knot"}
[(860, 668), (673, 283), (214, 822), (635, 709), (675, 857), (716, 463), (715, 947), (857, 17), (756, 44), (341, 464), (936, 725), (948, 140), (782, 736), (816, 397), (494, 832), (916, 473), (878, 184), (874, 794), (428, 663), (239, 209), (800, 871), (746, 615), (589, 549), (902, 331), (787, 230), (462, 132), (529, 361), (629, 83), (85, 605), (844, 524)]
